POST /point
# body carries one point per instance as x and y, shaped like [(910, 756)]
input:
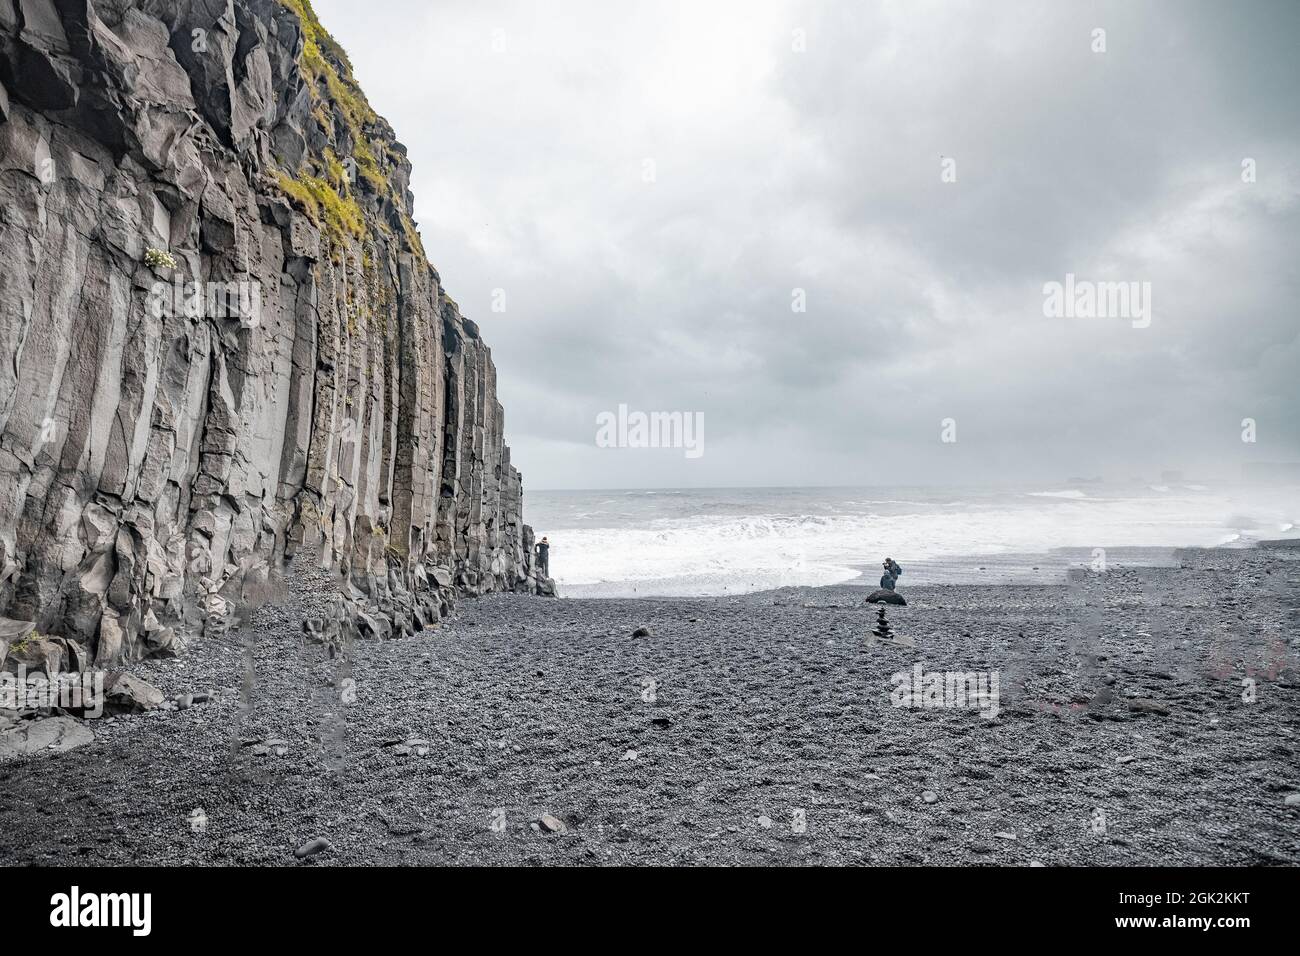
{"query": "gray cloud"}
[(530, 125)]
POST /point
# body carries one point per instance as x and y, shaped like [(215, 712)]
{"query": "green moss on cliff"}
[(325, 64), (326, 191), (337, 214), (413, 237)]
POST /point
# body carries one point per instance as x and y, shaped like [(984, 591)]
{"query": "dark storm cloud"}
[(530, 127)]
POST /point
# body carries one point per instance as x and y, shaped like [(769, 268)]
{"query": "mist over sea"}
[(678, 542)]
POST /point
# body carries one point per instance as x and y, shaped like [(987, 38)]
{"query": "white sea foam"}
[(730, 541)]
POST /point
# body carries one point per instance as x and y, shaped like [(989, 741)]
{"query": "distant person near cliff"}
[(544, 556)]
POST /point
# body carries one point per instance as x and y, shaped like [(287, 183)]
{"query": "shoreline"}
[(1120, 694), (721, 541), (982, 570)]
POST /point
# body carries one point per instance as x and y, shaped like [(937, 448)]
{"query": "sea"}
[(716, 541)]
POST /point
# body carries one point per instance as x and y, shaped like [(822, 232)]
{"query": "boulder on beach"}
[(124, 694), (312, 847), (36, 652), (551, 824), (36, 736), (11, 632), (885, 596)]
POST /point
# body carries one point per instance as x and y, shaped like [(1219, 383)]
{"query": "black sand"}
[(761, 706)]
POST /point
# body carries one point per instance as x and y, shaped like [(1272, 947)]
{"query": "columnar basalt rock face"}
[(223, 341)]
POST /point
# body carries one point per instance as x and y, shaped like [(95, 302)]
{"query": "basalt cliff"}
[(222, 342)]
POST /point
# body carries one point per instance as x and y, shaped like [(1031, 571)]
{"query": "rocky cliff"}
[(222, 340)]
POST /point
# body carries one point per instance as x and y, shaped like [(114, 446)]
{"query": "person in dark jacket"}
[(892, 572), (544, 556)]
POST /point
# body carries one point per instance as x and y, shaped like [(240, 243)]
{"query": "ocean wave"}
[(711, 546)]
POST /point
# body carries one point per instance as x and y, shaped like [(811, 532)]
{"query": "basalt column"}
[(223, 342)]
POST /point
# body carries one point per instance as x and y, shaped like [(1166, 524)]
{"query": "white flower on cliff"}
[(158, 259)]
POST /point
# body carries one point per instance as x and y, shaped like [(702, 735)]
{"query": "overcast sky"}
[(774, 168)]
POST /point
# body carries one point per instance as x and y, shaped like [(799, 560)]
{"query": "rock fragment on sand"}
[(765, 822), (641, 632), (885, 596), (1292, 800), (55, 734), (415, 746), (550, 824), (125, 694), (312, 847), (929, 796)]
